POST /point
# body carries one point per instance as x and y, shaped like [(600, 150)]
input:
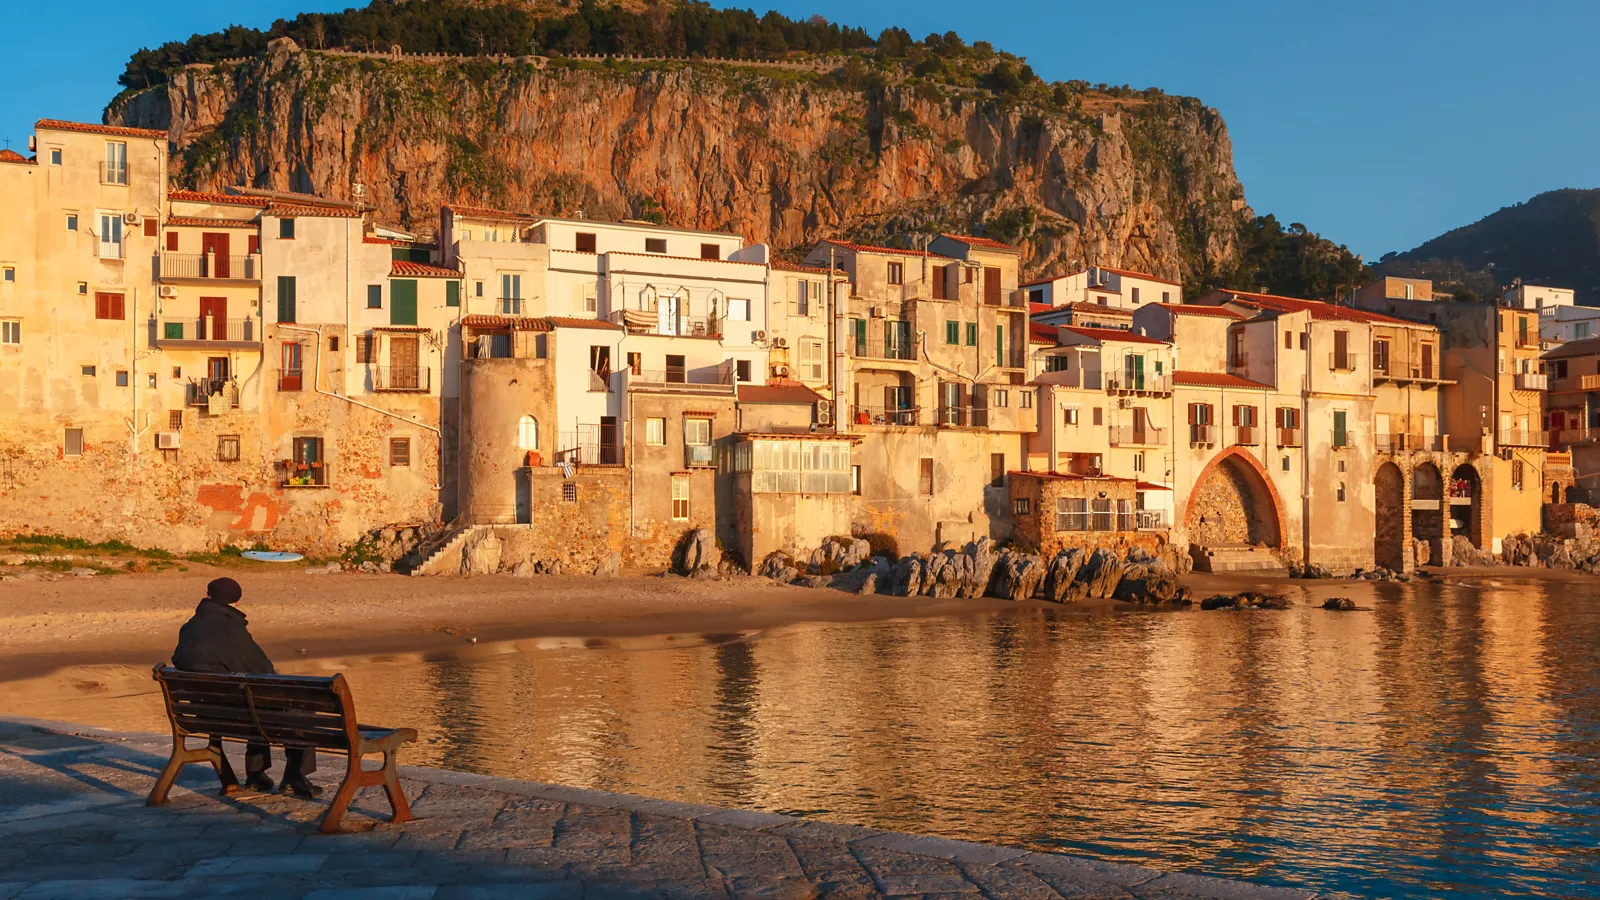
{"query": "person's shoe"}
[(259, 782), (300, 787)]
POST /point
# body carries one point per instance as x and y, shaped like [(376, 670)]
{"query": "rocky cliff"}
[(779, 154)]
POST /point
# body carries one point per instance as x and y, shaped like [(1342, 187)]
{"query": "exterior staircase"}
[(1221, 559), (445, 557)]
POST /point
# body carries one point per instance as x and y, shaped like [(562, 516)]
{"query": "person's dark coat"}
[(217, 639)]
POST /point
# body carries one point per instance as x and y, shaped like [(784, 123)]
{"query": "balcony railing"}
[(290, 379), (1589, 382), (1531, 381), (201, 390), (1152, 384), (1289, 437), (1345, 443), (1150, 519), (1399, 442), (699, 456), (402, 378), (681, 375), (1135, 436), (1342, 362), (1200, 434), (880, 415), (892, 349), (209, 266), (1520, 438), (585, 447), (207, 328), (113, 173), (1246, 436)]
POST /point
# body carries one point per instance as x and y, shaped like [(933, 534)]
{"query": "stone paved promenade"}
[(73, 824)]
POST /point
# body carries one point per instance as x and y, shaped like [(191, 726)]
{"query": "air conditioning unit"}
[(130, 218), (168, 292), (761, 335), (875, 312), (169, 440), (780, 371), (824, 412), (780, 343), (1124, 403)]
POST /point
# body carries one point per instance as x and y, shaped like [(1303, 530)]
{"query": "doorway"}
[(215, 247), (213, 325), (403, 356)]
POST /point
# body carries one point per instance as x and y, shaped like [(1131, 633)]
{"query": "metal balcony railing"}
[(1135, 436), (209, 265), (681, 375), (892, 349), (1152, 384), (1150, 519), (1519, 438), (1246, 435), (201, 390), (113, 173), (1578, 435), (1289, 437), (585, 447), (1201, 434), (701, 456), (1342, 362), (1531, 381), (207, 328), (402, 378), (880, 415), (290, 379)]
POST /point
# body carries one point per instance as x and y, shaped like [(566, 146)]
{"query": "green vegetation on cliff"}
[(1291, 262)]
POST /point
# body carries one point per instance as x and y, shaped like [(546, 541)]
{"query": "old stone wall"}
[(1226, 509)]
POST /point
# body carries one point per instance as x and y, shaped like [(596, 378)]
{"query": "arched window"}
[(527, 433)]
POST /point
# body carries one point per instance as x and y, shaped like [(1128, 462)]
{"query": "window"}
[(374, 296), (73, 442), (452, 293), (400, 451), (510, 294), (72, 221), (1072, 514), (680, 497), (1025, 399), (107, 305), (897, 273), (1098, 419), (477, 289), (972, 334), (150, 227), (855, 480), (364, 344), (151, 376), (172, 242), (333, 344), (83, 289), (122, 378), (111, 235), (710, 251), (1286, 463), (636, 363), (286, 296), (741, 369), (967, 275), (1516, 474), (1138, 461), (655, 432), (1022, 506), (305, 465), (177, 372), (174, 420), (1000, 398), (1069, 415), (925, 477), (286, 229), (1135, 296), (811, 362), (55, 156), (88, 371), (738, 309), (11, 331), (952, 333), (1305, 341), (1380, 356), (1341, 351), (583, 242), (997, 470), (569, 492), (1166, 296), (655, 245), (1288, 340), (1339, 493), (528, 433), (677, 372), (1341, 437), (697, 432), (227, 448), (802, 298)]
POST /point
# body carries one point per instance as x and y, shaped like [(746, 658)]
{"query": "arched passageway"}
[(1389, 535), (1233, 504), (1427, 513)]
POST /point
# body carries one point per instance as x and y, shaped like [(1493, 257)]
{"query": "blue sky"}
[(1378, 124)]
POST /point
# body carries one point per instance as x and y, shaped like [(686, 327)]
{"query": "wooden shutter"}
[(150, 227), (172, 242), (991, 286), (286, 296), (254, 244), (403, 301), (452, 293), (1191, 413)]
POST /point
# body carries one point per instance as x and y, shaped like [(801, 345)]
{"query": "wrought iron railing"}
[(209, 265), (401, 378), (207, 328), (883, 415)]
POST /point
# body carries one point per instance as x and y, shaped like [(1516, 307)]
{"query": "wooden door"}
[(403, 357), (213, 324), (991, 286), (289, 375), (1427, 360), (216, 247)]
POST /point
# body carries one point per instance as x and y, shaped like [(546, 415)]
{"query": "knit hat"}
[(224, 590)]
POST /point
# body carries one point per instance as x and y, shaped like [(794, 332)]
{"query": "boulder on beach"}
[(1339, 604), (1061, 576)]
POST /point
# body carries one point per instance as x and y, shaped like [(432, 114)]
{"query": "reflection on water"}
[(1443, 740)]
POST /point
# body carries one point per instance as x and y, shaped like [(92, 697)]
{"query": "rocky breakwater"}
[(982, 568)]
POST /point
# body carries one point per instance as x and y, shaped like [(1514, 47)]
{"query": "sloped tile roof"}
[(1195, 309), (1111, 334), (88, 128), (789, 392), (203, 222), (183, 196), (405, 268), (1216, 379), (983, 243), (569, 322), (516, 323), (1326, 312), (11, 156), (298, 211)]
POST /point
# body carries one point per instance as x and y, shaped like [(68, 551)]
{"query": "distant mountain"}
[(1553, 239)]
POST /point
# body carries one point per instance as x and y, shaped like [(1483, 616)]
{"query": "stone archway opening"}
[(1389, 535), (1466, 504), (1233, 506), (1427, 514)]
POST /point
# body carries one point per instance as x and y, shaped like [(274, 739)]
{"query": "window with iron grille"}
[(569, 492), (1022, 506), (400, 451), (227, 448), (174, 420)]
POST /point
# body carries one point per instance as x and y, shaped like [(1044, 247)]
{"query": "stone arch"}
[(1389, 534), (1555, 492), (1233, 502), (1427, 510), (1466, 518)]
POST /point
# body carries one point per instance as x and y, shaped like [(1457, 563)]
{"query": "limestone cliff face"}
[(778, 155)]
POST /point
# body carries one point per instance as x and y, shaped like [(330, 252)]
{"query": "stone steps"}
[(446, 558), (1220, 560)]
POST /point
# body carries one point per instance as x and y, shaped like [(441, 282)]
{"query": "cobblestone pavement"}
[(73, 825)]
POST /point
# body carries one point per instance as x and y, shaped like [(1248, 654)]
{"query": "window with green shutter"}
[(858, 327), (972, 334), (999, 345), (1340, 438), (374, 296), (286, 304), (452, 293), (403, 301), (952, 332)]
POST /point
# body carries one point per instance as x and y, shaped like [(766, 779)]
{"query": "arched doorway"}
[(1466, 500), (1555, 492), (1389, 534), (1427, 516), (1233, 504)]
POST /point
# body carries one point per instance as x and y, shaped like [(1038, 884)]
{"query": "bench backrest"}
[(288, 710)]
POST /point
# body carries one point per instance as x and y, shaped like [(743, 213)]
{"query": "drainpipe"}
[(1305, 453)]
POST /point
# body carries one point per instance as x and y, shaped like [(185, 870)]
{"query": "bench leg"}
[(182, 755), (391, 786), (354, 780)]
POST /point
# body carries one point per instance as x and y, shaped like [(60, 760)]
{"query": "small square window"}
[(177, 372), (569, 492), (333, 343), (122, 378), (152, 379), (1022, 506), (742, 369), (477, 289), (227, 448), (400, 451), (175, 420), (11, 332), (374, 296), (583, 242), (72, 221), (1286, 463), (89, 371), (286, 229), (83, 288), (655, 245), (55, 156), (8, 274)]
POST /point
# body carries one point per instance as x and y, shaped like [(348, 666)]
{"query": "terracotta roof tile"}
[(1195, 309), (516, 323), (983, 243), (1326, 312), (1098, 309), (484, 212), (1142, 276), (11, 156), (182, 196), (405, 268), (791, 267), (87, 128), (891, 251), (1111, 334), (204, 222), (1039, 333), (298, 211), (1216, 379), (790, 392), (569, 322), (1583, 347)]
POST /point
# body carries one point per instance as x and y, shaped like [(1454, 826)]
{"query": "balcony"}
[(113, 173), (1201, 436), (199, 391), (1523, 438), (208, 267), (889, 349), (654, 321), (1150, 520), (590, 445), (879, 415), (1589, 382), (1342, 362), (1124, 383), (1344, 442), (1400, 443), (205, 332), (699, 456), (1246, 436), (1135, 436), (1531, 381), (290, 380), (708, 380), (304, 475), (1289, 437), (402, 379)]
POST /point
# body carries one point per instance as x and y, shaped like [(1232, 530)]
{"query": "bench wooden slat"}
[(269, 720), (277, 698)]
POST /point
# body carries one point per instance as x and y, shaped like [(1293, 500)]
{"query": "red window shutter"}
[(150, 226), (255, 244), (1191, 414), (172, 242)]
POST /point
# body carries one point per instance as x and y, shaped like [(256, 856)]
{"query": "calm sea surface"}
[(1442, 741)]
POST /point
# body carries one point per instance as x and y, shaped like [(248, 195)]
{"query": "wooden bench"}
[(286, 710)]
